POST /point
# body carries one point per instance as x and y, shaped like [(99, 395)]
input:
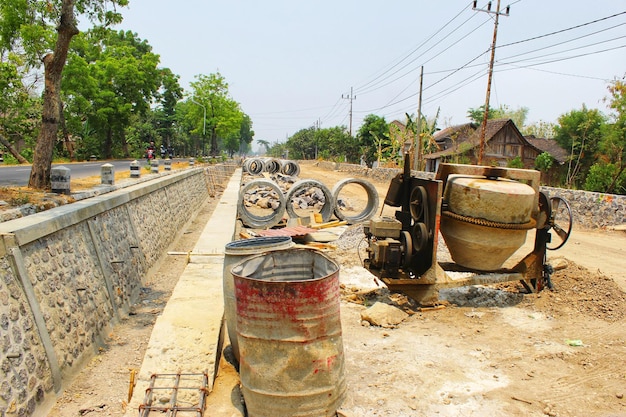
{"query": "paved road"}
[(18, 175)]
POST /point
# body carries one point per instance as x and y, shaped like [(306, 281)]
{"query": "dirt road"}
[(557, 353)]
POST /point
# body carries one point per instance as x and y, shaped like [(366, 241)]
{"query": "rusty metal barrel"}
[(289, 332), (235, 252)]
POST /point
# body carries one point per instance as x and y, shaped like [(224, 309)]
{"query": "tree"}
[(503, 112), (580, 131), (539, 129), (373, 128), (112, 76), (16, 105), (30, 25), (301, 144), (265, 144), (614, 143), (223, 115), (603, 177), (246, 134), (168, 96)]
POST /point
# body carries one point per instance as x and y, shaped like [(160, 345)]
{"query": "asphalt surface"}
[(18, 175)]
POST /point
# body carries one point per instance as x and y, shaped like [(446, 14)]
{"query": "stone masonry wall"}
[(590, 210), (69, 273)]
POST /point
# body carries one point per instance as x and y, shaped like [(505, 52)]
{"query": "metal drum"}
[(289, 332), (488, 220), (235, 252)]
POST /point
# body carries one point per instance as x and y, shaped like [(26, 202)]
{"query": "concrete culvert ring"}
[(291, 168), (304, 186), (254, 166), (258, 221), (362, 215), (272, 166)]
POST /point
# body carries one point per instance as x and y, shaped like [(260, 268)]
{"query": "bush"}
[(601, 176), (515, 163)]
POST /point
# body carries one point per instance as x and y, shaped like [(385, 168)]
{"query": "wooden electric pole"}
[(483, 126)]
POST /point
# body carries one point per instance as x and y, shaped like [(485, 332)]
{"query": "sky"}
[(295, 64)]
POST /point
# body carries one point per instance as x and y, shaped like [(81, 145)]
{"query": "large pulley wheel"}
[(420, 236), (560, 220), (417, 203)]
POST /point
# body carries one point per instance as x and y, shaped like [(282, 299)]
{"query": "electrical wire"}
[(562, 30), (358, 88)]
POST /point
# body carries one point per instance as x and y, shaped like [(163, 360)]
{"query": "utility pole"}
[(318, 122), (417, 163), (203, 122), (483, 126), (350, 97)]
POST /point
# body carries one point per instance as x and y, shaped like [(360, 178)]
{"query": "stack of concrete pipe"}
[(280, 201), (256, 166)]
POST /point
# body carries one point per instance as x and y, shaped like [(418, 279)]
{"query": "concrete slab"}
[(188, 337)]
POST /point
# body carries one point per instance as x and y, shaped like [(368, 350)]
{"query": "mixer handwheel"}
[(560, 220)]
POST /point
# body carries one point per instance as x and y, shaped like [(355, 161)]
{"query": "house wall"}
[(508, 145), (69, 273)]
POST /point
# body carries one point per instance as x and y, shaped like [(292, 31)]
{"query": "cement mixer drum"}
[(486, 220)]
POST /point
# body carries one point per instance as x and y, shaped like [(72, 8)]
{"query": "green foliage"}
[(544, 162), (110, 80), (540, 129), (223, 114), (518, 116), (515, 163), (302, 144), (604, 176), (19, 111), (370, 136), (613, 146), (581, 132)]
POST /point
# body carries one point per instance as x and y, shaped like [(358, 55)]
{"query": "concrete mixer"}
[(484, 215)]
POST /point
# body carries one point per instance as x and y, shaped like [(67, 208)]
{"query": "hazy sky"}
[(289, 63)]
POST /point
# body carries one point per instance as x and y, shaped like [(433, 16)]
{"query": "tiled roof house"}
[(503, 142)]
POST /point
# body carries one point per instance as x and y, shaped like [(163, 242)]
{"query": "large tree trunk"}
[(12, 150), (108, 144), (53, 68)]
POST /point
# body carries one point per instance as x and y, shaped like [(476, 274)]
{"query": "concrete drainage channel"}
[(263, 202)]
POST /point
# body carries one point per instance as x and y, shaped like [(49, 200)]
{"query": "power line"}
[(412, 52), (502, 62), (425, 62), (563, 30)]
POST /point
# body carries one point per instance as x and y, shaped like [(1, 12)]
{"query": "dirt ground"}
[(556, 353)]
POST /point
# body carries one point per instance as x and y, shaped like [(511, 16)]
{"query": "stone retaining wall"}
[(69, 273), (590, 210)]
